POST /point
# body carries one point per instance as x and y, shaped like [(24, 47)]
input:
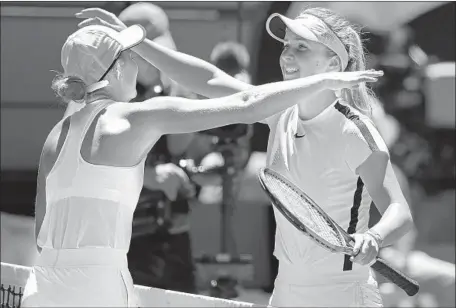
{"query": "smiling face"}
[(302, 58)]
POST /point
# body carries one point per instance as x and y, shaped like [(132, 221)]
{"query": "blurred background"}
[(218, 238)]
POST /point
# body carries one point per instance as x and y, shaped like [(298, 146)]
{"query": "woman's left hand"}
[(97, 16), (365, 250)]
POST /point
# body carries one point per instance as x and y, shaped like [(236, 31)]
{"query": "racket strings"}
[(303, 210)]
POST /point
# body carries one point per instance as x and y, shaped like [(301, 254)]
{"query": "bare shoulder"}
[(123, 136), (152, 115)]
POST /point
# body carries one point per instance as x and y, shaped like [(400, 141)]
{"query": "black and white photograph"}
[(227, 154)]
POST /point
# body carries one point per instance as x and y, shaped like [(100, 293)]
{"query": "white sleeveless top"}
[(88, 206), (320, 156)]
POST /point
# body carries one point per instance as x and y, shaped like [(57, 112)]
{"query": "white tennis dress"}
[(320, 156), (86, 231)]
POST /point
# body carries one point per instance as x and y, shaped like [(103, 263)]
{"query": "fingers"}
[(97, 16), (94, 12), (90, 22), (366, 76), (359, 239), (364, 79), (373, 73), (363, 253), (367, 250), (97, 21)]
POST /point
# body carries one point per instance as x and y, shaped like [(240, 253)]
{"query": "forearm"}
[(269, 99), (188, 71), (247, 107), (395, 223)]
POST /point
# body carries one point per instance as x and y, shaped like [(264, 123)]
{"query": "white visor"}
[(131, 36), (310, 28)]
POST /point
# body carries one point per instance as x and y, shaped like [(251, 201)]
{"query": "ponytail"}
[(69, 88), (361, 97)]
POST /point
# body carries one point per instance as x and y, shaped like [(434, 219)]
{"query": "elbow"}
[(406, 223)]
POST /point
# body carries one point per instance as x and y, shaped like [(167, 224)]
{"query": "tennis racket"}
[(307, 216)]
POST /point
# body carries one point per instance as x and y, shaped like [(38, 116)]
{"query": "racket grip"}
[(410, 286)]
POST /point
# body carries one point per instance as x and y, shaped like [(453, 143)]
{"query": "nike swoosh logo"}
[(297, 136)]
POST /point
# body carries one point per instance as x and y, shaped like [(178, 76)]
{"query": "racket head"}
[(304, 213)]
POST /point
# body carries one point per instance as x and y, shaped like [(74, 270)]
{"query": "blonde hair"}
[(69, 88), (362, 98), (74, 89)]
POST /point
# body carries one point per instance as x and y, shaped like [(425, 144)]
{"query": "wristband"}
[(376, 236)]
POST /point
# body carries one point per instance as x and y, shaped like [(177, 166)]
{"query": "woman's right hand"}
[(341, 80), (97, 16)]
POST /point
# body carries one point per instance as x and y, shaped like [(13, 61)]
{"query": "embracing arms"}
[(171, 115), (193, 73), (249, 106)]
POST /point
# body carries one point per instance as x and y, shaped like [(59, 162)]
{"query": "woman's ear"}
[(334, 64)]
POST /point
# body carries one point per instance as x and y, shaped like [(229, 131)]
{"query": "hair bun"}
[(69, 88)]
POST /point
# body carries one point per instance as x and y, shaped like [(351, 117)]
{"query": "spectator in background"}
[(233, 58), (151, 82), (229, 150), (160, 253)]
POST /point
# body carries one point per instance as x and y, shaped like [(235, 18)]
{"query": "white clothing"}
[(84, 277), (89, 212), (291, 289), (320, 156)]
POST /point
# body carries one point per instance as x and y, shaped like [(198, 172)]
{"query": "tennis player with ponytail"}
[(92, 164), (326, 144)]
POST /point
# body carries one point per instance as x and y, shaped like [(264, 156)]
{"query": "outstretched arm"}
[(171, 115), (193, 73)]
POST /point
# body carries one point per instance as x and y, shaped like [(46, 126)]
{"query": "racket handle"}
[(410, 286)]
